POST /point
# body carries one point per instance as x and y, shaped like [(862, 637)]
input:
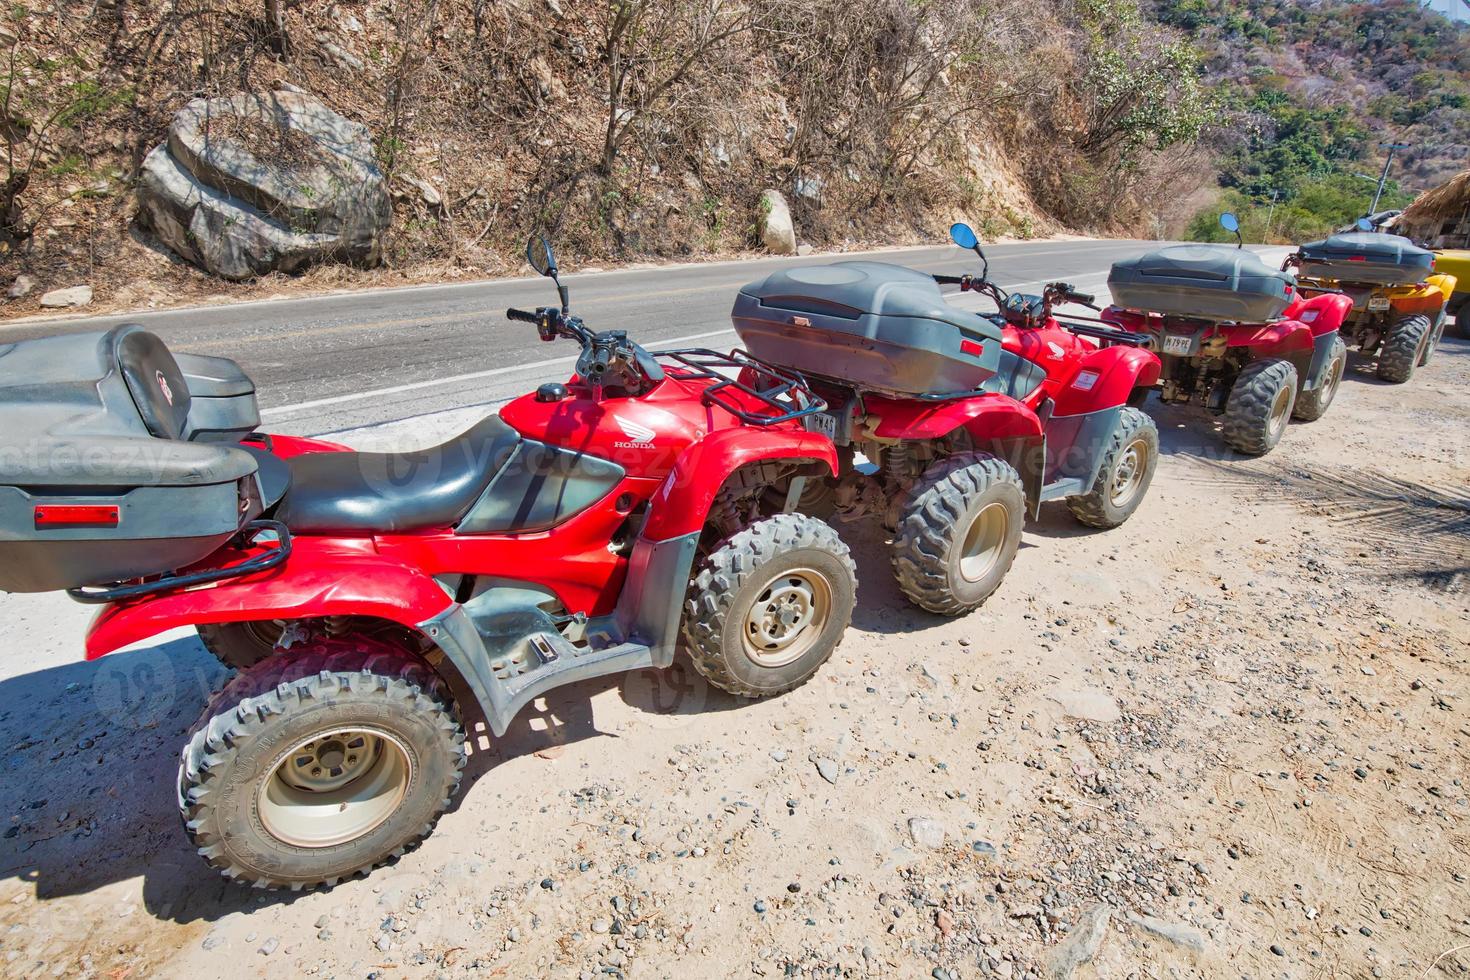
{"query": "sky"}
[(1455, 9)]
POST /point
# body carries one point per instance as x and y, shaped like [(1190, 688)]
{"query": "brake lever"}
[(648, 364)]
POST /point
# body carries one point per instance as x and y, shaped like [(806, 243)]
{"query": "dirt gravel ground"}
[(1227, 739)]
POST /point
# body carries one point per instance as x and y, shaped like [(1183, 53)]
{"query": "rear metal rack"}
[(95, 595), (780, 388), (1098, 329)]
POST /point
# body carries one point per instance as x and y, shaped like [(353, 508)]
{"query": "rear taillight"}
[(76, 515), (971, 348)]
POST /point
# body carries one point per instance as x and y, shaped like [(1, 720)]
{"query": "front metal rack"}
[(784, 392)]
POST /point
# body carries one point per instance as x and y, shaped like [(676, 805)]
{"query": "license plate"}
[(823, 423), (1178, 344), (1378, 302)]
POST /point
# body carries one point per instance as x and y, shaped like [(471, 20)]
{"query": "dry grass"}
[(626, 128)]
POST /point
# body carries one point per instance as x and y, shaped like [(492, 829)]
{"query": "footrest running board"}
[(561, 663)]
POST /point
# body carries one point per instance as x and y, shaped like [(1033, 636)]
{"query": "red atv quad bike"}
[(1235, 336), (369, 599), (969, 421)]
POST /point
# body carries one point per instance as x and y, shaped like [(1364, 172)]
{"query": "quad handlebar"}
[(608, 357), (1051, 295)]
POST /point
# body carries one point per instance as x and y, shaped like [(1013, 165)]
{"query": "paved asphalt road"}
[(333, 363)]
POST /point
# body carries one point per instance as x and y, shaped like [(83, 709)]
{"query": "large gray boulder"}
[(251, 184), (778, 233)]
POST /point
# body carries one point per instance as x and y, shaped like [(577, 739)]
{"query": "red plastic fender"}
[(1106, 378), (683, 502), (989, 416), (323, 577), (287, 446), (1272, 340), (1321, 314)]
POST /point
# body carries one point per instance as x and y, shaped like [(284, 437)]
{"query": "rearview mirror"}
[(1364, 224), (541, 257), (963, 235), (1230, 222)]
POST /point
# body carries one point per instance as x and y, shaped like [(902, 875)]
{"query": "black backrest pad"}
[(155, 382)]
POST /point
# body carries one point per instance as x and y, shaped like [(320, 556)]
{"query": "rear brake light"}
[(971, 348), (1357, 258), (77, 515)]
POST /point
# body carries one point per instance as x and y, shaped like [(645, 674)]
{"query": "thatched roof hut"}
[(1440, 217)]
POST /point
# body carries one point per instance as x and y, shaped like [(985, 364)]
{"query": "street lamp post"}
[(1383, 177)]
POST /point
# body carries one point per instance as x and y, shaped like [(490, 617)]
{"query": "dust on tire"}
[(934, 522)]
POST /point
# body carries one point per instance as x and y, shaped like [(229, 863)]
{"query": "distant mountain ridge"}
[(1314, 88)]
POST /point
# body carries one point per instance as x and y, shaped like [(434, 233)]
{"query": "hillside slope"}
[(629, 128), (634, 128), (1312, 89)]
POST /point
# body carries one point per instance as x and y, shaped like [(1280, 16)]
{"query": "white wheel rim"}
[(1280, 407), (984, 542), (1128, 477), (1334, 378), (787, 617), (334, 787)]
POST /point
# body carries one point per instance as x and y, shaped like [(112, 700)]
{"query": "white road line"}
[(1026, 250), (280, 410)]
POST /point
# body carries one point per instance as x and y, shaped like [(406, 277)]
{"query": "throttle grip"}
[(600, 361), (525, 316)]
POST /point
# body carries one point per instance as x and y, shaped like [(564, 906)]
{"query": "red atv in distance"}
[(970, 421), (1235, 336), (584, 531)]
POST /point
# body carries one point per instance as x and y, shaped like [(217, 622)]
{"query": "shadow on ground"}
[(1415, 530), (92, 759), (92, 754)]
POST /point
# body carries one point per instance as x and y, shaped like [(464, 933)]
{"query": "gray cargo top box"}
[(110, 468), (1368, 257), (869, 324), (1203, 282)]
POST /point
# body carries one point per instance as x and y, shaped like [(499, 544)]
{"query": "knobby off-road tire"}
[(1403, 348), (959, 532), (1312, 405), (318, 764), (1435, 333), (767, 606), (1127, 469), (1259, 406), (241, 645)]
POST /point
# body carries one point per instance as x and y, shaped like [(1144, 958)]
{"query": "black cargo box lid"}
[(1207, 282), (1380, 258), (1208, 263), (858, 290), (1368, 245)]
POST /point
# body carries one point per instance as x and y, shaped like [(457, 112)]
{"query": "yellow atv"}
[(1399, 302), (1456, 262)]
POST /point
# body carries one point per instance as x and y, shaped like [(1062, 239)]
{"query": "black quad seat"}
[(359, 493)]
